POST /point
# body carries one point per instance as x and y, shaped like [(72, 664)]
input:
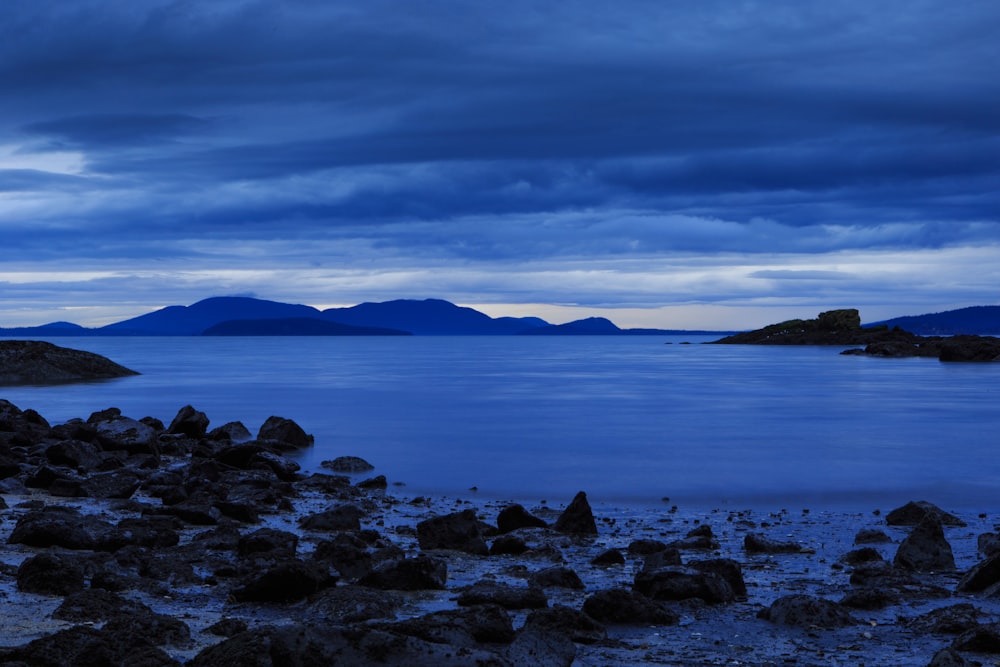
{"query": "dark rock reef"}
[(36, 362)]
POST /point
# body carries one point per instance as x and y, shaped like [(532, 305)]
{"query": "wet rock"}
[(354, 604), (871, 536), (754, 543), (83, 646), (504, 595), (982, 576), (62, 527), (348, 464), (912, 513), (508, 545), (576, 625), (577, 518), (966, 348), (947, 657), (698, 539), (94, 605), (980, 639), (608, 558), (726, 568), (189, 422), (75, 454), (50, 574), (156, 629), (514, 517), (683, 583), (227, 627), (408, 574), (346, 553), (120, 485), (988, 544), (541, 647), (123, 433), (285, 431), (460, 627), (377, 482), (286, 581), (234, 432), (807, 611), (36, 362), (951, 620), (859, 556), (658, 559), (556, 577), (153, 531), (195, 513), (870, 598), (925, 549), (341, 517), (644, 547), (459, 531), (268, 543), (619, 605)]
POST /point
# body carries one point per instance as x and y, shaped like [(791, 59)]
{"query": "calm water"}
[(626, 419)]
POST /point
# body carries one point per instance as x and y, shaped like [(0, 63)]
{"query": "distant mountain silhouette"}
[(194, 319), (591, 326), (430, 317), (295, 326), (977, 320)]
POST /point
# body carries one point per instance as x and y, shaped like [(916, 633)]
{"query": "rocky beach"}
[(138, 542)]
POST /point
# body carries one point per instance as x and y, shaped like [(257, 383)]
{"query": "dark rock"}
[(912, 513), (129, 435), (925, 549), (156, 629), (63, 527), (988, 544), (807, 611), (189, 422), (347, 554), (619, 605), (980, 639), (870, 598), (726, 568), (556, 577), (285, 431), (348, 464), (120, 484), (508, 545), (354, 604), (515, 516), (195, 513), (645, 547), (269, 543), (576, 625), (871, 536), (755, 543), (658, 559), (459, 531), (983, 575), (408, 574), (328, 484), (152, 531), (970, 348), (95, 605), (608, 557), (287, 581), (234, 432), (227, 627), (683, 583), (83, 646), (508, 597), (341, 517), (75, 454), (577, 518), (460, 627), (947, 657), (49, 573), (541, 647), (34, 362), (374, 483), (859, 556), (952, 620)]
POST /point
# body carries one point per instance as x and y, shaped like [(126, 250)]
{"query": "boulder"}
[(556, 576), (574, 624), (913, 513), (347, 554), (341, 605), (408, 574), (234, 432), (464, 627), (286, 581), (508, 545), (269, 543), (129, 435), (515, 516), (285, 431), (754, 543), (807, 611), (608, 558), (871, 536), (50, 573), (925, 549), (683, 583), (726, 568), (951, 620), (341, 517), (979, 639), (983, 575), (63, 527), (644, 547), (83, 646), (541, 647), (35, 362), (189, 422), (94, 605), (486, 591), (948, 657), (620, 605), (348, 464), (76, 454), (460, 531), (988, 544), (577, 518)]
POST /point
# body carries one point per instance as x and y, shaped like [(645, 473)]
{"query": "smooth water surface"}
[(624, 418)]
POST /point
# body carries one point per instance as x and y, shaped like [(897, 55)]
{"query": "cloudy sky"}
[(719, 163)]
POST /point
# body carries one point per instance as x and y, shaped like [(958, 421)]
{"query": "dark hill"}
[(982, 320), (196, 318), (295, 326), (591, 326), (429, 317), (35, 362)]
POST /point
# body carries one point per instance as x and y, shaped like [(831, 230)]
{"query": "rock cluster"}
[(122, 513)]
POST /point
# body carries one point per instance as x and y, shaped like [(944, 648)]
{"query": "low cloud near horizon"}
[(674, 164)]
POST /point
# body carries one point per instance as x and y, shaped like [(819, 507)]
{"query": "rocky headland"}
[(843, 328), (36, 362), (134, 542)]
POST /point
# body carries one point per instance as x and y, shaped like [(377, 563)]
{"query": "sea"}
[(630, 420)]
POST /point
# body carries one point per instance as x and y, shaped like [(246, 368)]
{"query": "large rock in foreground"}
[(35, 362)]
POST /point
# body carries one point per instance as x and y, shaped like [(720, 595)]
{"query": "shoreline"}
[(190, 586)]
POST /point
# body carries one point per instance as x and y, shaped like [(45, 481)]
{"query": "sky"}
[(710, 164)]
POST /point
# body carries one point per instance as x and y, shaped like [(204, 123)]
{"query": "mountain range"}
[(245, 316)]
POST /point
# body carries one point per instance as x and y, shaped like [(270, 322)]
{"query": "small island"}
[(843, 327), (34, 362)]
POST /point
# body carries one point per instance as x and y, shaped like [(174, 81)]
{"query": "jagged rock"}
[(755, 543), (120, 484), (408, 574), (50, 574), (859, 556), (508, 597), (354, 604), (556, 577), (341, 517), (376, 482), (983, 575), (234, 432), (925, 549), (608, 557), (577, 518), (699, 539), (807, 611), (912, 513), (75, 454), (515, 516), (619, 605), (970, 348), (123, 433), (459, 531), (156, 629), (988, 544), (34, 362), (286, 581), (284, 431), (576, 625), (189, 422), (658, 559), (348, 464), (84, 646), (683, 583)]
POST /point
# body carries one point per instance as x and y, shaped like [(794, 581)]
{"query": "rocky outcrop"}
[(35, 362), (808, 611)]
